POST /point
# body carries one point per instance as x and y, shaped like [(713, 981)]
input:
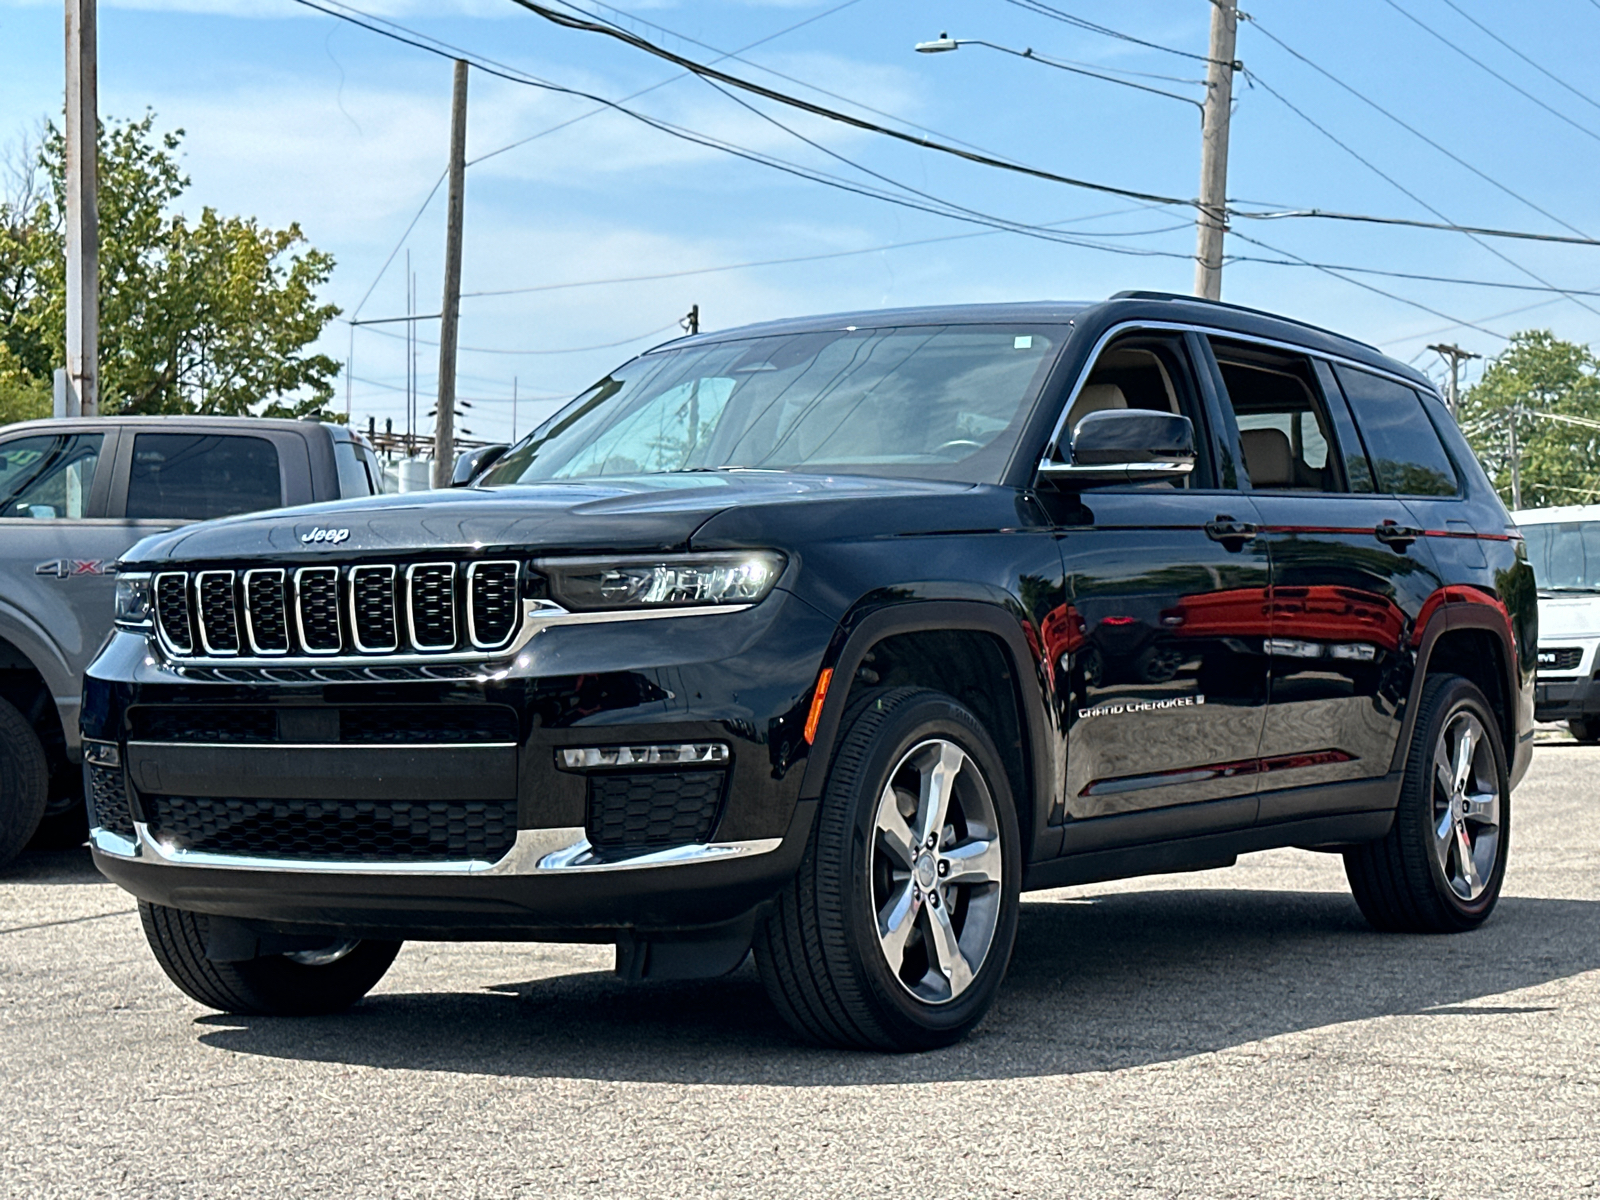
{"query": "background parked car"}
[(1564, 549), (74, 495)]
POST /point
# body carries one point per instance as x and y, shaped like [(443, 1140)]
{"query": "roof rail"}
[(1255, 312)]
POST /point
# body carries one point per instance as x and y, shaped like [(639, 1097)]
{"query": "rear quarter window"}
[(1406, 454), (199, 476)]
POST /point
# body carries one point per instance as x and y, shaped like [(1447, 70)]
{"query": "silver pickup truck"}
[(76, 494)]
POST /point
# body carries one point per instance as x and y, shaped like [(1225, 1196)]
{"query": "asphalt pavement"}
[(1226, 1033)]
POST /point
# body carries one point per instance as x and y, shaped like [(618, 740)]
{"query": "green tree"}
[(1536, 381), (211, 314)]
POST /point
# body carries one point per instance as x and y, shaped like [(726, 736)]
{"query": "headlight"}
[(669, 581), (133, 601)]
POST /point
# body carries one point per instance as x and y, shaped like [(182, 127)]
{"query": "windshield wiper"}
[(1590, 590)]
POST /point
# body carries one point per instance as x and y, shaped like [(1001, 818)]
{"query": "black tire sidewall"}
[(1455, 696), (24, 781), (907, 1019)]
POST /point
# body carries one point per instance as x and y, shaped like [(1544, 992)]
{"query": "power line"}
[(1587, 99), (638, 337), (1561, 293), (1066, 18), (1063, 65), (432, 192), (1555, 112)]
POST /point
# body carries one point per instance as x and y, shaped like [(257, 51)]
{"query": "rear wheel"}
[(327, 979), (24, 781), (1440, 867), (1585, 729), (896, 932)]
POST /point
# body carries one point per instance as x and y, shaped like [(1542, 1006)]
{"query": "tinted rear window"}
[(1402, 443), (198, 476)]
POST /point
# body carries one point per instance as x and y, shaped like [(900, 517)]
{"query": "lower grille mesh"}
[(107, 792), (335, 830), (1565, 659), (633, 810)]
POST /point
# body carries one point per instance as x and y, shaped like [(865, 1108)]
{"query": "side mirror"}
[(475, 462), (1127, 445)]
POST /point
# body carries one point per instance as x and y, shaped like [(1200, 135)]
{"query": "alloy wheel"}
[(936, 867), (1466, 806)]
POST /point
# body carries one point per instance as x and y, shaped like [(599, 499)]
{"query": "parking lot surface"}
[(1228, 1033)]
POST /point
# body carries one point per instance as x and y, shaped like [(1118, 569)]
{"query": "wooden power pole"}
[(83, 214), (444, 433), (1455, 356), (1213, 219)]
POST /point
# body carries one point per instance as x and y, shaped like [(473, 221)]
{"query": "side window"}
[(1407, 456), (198, 476), (1284, 431), (48, 478), (1148, 371), (353, 477)]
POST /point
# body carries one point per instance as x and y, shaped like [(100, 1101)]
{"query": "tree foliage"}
[(209, 314), (1538, 377)]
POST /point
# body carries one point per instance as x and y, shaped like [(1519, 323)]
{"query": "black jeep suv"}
[(828, 638)]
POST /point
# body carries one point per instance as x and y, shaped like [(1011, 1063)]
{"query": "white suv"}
[(1564, 549)]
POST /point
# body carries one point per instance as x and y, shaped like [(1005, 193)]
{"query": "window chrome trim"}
[(198, 617), (556, 851), (472, 615), (155, 595), (249, 622), (355, 625), (299, 612), (411, 619), (1159, 326)]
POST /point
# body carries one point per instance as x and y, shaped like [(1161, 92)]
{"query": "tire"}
[(275, 985), (1585, 729), (825, 964), (24, 782), (1414, 880)]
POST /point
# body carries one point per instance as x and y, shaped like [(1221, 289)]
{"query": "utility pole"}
[(83, 213), (513, 410), (1213, 219), (691, 322), (1455, 356), (444, 435)]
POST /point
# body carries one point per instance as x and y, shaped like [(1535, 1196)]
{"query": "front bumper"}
[(1563, 699), (551, 886)]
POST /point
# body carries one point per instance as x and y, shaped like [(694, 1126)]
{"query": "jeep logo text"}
[(331, 536)]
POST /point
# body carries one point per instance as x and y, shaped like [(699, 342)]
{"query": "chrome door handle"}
[(1232, 534), (1396, 536)]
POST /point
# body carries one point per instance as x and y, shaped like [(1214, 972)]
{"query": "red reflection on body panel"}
[(1063, 631), (1239, 612), (1461, 594), (1337, 614)]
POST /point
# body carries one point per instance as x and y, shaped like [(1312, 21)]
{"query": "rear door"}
[(1350, 572), (1165, 624)]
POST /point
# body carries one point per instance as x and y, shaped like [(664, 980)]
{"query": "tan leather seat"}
[(1268, 457), (1095, 397)]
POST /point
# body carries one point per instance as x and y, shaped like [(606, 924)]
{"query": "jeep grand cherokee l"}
[(827, 638)]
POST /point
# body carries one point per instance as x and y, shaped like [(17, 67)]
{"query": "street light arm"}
[(944, 42)]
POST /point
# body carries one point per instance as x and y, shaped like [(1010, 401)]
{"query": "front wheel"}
[(1440, 867), (896, 932), (1585, 729), (304, 983), (24, 781)]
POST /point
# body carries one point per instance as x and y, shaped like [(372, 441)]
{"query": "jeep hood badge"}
[(330, 537)]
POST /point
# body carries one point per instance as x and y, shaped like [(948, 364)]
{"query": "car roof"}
[(1131, 305), (173, 423), (1548, 516)]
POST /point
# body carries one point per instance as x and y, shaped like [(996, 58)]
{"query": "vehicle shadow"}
[(1095, 985), (36, 867)]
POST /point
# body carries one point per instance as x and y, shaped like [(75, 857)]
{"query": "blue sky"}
[(291, 115)]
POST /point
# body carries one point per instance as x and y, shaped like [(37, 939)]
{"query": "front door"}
[(1167, 614), (1350, 577)]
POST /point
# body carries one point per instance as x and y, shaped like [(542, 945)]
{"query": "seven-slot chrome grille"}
[(369, 609)]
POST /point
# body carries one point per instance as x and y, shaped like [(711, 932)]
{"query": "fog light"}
[(584, 758)]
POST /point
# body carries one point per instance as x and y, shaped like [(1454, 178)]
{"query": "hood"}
[(1568, 616), (641, 513)]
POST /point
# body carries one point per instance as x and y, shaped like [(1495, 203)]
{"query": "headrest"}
[(1268, 457), (1095, 397)]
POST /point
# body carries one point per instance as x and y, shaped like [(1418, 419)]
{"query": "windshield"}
[(937, 402), (1565, 555)]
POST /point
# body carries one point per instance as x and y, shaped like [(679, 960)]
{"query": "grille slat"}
[(336, 831), (219, 618), (266, 614), (360, 725), (491, 603), (372, 617), (431, 605), (634, 810), (1566, 658), (172, 610), (317, 609)]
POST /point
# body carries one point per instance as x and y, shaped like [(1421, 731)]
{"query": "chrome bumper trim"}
[(557, 851)]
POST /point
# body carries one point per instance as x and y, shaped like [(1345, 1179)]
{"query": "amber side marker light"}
[(814, 717)]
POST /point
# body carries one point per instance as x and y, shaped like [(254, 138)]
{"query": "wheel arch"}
[(977, 653), (1470, 635), (32, 678)]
